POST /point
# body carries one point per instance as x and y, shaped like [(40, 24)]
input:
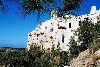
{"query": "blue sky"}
[(14, 29)]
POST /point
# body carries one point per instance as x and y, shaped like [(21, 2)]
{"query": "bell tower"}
[(53, 14), (93, 10)]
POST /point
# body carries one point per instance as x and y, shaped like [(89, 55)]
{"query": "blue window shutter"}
[(63, 38)]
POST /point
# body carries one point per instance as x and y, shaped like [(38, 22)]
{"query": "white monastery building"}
[(59, 30)]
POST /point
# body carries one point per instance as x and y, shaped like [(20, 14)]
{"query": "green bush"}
[(35, 57)]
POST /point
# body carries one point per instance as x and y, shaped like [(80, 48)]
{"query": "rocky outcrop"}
[(89, 57), (85, 59)]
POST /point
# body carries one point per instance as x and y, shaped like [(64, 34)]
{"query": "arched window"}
[(63, 38), (69, 25)]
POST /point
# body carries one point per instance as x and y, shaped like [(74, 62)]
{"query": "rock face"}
[(85, 59), (97, 53)]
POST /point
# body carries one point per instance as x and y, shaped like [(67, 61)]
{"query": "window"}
[(69, 25), (41, 33), (63, 38), (58, 25), (51, 30), (29, 44), (38, 35), (79, 23), (51, 37), (30, 34), (61, 27), (45, 27)]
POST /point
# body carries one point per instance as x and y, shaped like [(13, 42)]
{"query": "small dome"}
[(53, 12)]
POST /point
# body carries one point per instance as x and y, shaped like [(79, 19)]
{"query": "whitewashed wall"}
[(45, 28)]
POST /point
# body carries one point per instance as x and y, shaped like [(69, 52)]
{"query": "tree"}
[(74, 48), (64, 58), (49, 58), (87, 33), (34, 57), (3, 7), (42, 6), (97, 29)]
